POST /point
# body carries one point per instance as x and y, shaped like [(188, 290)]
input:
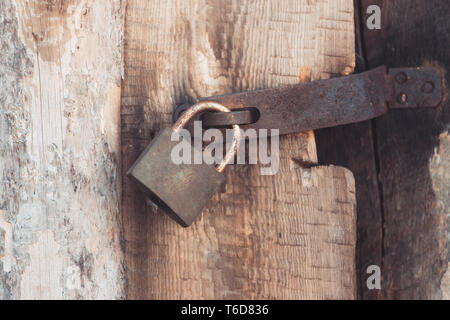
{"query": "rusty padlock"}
[(182, 190)]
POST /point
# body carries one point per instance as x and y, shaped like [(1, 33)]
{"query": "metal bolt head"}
[(428, 87), (401, 77), (402, 98)]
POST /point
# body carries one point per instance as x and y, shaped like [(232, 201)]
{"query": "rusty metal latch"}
[(328, 103), (183, 189)]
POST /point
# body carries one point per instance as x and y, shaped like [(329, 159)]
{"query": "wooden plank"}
[(408, 228), (353, 147), (414, 33), (289, 236), (60, 73)]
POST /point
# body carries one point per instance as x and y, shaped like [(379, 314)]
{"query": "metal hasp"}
[(183, 190), (329, 103)]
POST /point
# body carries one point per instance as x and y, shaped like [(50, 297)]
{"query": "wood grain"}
[(60, 73), (352, 146), (399, 160), (415, 33), (289, 236)]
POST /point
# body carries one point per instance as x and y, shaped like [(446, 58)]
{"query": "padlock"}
[(182, 190)]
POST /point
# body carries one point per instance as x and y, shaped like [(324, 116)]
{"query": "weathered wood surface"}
[(60, 74), (355, 151), (411, 152), (353, 146), (289, 236)]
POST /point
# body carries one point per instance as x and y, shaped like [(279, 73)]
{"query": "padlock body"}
[(182, 190)]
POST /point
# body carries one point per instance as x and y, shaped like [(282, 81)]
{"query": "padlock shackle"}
[(210, 105)]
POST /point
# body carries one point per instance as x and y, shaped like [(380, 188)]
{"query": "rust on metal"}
[(211, 105), (331, 102), (419, 88), (222, 119)]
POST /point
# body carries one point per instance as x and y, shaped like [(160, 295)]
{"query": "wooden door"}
[(287, 236)]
